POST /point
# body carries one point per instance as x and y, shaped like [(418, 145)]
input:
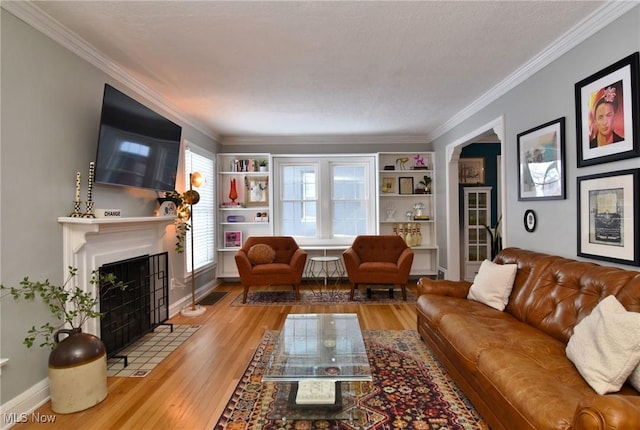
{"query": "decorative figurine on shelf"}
[(233, 192), (402, 162), (89, 212), (76, 203), (391, 213), (409, 215), (418, 160)]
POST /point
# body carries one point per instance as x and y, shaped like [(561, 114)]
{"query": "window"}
[(199, 160), (324, 199)]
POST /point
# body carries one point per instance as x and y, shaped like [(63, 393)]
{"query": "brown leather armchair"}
[(375, 260), (280, 263)]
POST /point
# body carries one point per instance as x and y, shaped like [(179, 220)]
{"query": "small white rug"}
[(149, 351)]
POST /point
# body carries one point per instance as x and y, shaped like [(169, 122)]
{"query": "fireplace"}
[(90, 243), (137, 310)]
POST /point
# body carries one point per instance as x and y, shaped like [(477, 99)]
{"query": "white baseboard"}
[(201, 292), (23, 405)]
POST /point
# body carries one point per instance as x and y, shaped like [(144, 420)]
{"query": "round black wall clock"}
[(529, 220)]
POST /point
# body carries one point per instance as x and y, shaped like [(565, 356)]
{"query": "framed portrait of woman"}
[(607, 113)]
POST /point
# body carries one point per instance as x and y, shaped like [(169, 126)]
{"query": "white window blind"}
[(203, 222)]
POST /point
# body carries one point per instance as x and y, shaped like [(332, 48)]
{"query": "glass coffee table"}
[(315, 353)]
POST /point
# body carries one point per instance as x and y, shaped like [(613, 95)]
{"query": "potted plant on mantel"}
[(182, 216), (77, 362)]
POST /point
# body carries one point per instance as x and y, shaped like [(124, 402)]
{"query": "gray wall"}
[(547, 95), (51, 101)]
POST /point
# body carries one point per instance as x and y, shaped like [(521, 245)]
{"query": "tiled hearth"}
[(149, 351)]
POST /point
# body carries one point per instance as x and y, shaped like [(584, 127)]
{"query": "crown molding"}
[(325, 140), (36, 18), (595, 22), (42, 22)]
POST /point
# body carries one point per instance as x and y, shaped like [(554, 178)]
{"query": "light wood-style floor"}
[(191, 387)]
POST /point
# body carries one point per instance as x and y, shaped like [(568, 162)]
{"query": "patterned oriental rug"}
[(326, 295), (410, 390)]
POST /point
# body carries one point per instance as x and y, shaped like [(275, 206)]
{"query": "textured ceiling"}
[(319, 67)]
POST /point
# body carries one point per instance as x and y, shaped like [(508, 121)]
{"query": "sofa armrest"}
[(405, 261), (443, 287), (351, 261), (243, 263), (611, 411), (298, 260)]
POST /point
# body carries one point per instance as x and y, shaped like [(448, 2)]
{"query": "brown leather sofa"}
[(282, 264), (378, 260), (512, 365)]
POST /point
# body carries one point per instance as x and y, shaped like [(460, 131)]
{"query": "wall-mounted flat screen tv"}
[(137, 147)]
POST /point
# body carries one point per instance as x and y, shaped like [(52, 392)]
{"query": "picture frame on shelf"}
[(541, 165), (471, 170), (608, 207), (232, 239), (405, 185), (607, 112), (388, 185), (256, 191)]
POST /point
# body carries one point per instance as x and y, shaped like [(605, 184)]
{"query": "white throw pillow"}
[(634, 379), (605, 345), (493, 284)]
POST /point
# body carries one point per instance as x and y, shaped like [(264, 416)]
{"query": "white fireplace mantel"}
[(89, 243)]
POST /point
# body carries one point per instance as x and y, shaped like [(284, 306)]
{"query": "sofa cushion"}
[(261, 253), (493, 284), (605, 347), (634, 378)]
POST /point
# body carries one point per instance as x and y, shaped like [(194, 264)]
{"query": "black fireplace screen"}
[(135, 311)]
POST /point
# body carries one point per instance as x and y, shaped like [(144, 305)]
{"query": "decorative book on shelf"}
[(231, 205)]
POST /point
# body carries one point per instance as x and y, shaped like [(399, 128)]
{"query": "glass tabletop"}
[(319, 346)]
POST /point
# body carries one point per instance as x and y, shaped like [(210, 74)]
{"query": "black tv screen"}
[(136, 146)]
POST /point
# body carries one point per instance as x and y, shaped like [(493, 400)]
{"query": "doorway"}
[(493, 131)]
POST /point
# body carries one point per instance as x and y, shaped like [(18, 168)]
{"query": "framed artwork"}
[(530, 220), (471, 170), (232, 239), (388, 185), (256, 191), (608, 205), (541, 173), (405, 184), (607, 111)]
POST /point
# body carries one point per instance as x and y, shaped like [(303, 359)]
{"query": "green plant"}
[(182, 227), (426, 180), (496, 237), (70, 305), (262, 162)]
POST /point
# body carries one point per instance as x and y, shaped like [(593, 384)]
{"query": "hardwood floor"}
[(191, 387)]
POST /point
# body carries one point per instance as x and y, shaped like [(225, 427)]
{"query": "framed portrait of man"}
[(607, 113)]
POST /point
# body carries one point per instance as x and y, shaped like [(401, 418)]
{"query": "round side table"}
[(324, 268)]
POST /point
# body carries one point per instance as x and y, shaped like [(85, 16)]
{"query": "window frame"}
[(210, 188), (324, 217)]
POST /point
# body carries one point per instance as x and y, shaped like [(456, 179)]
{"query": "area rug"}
[(326, 295), (149, 351), (410, 390)]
